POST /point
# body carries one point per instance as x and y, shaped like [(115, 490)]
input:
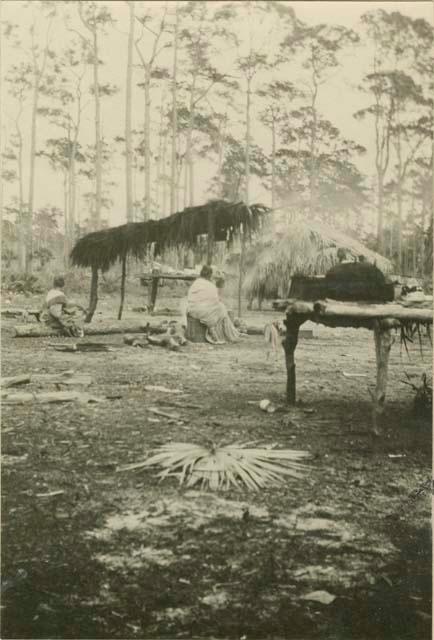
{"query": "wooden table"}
[(154, 280), (380, 318)]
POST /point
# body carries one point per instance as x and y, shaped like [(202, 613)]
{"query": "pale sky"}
[(338, 100)]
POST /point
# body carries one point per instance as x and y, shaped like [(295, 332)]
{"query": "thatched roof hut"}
[(218, 219), (299, 248)]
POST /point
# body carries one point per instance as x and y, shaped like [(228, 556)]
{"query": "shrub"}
[(26, 283)]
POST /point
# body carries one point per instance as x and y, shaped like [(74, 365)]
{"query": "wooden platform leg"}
[(289, 344), (93, 301), (384, 340), (153, 290)]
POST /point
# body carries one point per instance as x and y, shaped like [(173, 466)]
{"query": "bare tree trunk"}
[(313, 159), (21, 206), (147, 139), (165, 176), (189, 149), (247, 194), (399, 194), (128, 105), (222, 131), (66, 245), (173, 176), (380, 213), (72, 173), (273, 162), (98, 149)]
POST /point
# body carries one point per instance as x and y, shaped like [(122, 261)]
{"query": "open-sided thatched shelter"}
[(306, 248), (217, 219)]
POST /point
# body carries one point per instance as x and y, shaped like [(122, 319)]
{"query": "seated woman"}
[(58, 313), (203, 303)]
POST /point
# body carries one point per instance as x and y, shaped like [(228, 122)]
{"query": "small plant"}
[(224, 467), (423, 395)]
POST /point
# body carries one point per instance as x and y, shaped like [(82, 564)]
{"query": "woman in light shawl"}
[(203, 303), (58, 313)]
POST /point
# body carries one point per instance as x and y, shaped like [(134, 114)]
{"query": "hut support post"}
[(123, 279), (153, 290), (384, 340), (241, 273), (289, 344), (93, 300)]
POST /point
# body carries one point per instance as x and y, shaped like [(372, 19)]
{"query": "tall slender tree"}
[(95, 17), (150, 71), (174, 154)]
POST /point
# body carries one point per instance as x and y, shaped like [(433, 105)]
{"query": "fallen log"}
[(96, 329), (53, 396), (88, 347), (66, 377)]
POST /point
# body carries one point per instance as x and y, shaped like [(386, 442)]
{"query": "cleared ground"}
[(118, 555)]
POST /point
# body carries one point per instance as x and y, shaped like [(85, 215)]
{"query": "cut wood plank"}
[(333, 308), (95, 329), (356, 311), (13, 381), (47, 397)]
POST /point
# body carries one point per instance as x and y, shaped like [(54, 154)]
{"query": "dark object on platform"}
[(350, 282)]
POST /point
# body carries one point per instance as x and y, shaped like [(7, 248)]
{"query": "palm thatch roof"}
[(218, 219), (299, 248)]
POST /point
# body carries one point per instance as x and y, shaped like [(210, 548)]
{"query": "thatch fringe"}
[(222, 220)]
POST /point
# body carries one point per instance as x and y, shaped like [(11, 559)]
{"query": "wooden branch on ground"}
[(95, 329), (66, 377), (48, 397)]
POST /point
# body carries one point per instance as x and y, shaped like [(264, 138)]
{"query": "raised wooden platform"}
[(380, 318)]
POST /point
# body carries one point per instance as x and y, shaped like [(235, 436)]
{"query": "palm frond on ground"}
[(224, 467)]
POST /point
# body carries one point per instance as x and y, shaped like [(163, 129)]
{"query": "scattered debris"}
[(161, 389), (354, 375), (50, 494), (81, 346), (140, 341), (216, 600), (267, 405), (324, 597), (10, 459), (158, 412)]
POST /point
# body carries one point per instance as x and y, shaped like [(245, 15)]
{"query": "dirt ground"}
[(120, 555)]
